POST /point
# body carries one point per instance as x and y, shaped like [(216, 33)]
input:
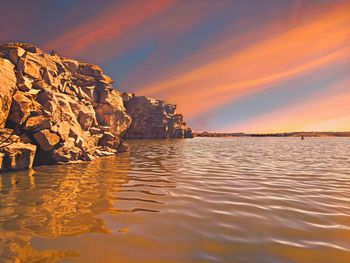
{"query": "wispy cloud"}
[(314, 42), (110, 24), (163, 30), (246, 56), (328, 111)]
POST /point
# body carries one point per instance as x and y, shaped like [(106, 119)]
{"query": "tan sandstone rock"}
[(46, 139), (7, 88), (24, 83), (18, 156), (109, 140), (111, 112), (15, 53), (20, 108), (67, 153), (15, 153), (37, 123), (154, 119), (29, 68), (70, 64)]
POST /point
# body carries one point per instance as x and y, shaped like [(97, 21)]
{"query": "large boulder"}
[(20, 108), (18, 156), (24, 83), (110, 111), (46, 139), (67, 153), (29, 68), (109, 140), (154, 119), (7, 88), (37, 123), (15, 153)]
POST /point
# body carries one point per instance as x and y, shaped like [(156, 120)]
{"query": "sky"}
[(229, 65)]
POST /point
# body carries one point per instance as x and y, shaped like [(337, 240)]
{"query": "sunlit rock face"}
[(154, 119), (58, 110), (17, 153), (66, 109), (7, 88)]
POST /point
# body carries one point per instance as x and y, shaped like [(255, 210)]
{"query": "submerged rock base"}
[(59, 110)]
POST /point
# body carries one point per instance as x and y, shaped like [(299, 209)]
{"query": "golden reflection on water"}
[(200, 200), (66, 201)]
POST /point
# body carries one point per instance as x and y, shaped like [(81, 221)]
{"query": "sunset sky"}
[(229, 65)]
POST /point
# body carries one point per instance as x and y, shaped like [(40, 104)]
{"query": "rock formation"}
[(153, 119), (16, 154), (59, 110)]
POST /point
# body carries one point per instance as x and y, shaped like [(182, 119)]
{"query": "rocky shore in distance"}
[(285, 134), (58, 110), (153, 119)]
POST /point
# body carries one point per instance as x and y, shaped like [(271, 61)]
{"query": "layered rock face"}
[(55, 108), (154, 119)]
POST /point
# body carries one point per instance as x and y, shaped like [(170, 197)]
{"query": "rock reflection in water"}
[(52, 202)]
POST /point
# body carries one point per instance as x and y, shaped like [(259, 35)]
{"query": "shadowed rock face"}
[(58, 110), (154, 119)]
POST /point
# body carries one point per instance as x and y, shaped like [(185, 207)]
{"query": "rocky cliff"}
[(153, 119), (59, 110)]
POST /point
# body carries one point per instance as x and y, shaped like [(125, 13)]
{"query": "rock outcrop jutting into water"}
[(59, 110), (153, 119)]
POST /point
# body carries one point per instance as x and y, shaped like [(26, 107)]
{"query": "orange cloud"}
[(312, 44), (327, 112), (163, 29), (112, 23)]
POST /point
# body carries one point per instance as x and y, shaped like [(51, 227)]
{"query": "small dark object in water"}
[(302, 137)]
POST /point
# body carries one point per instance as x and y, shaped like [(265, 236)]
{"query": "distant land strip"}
[(284, 134)]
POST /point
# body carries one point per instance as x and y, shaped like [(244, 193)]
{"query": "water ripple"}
[(206, 199)]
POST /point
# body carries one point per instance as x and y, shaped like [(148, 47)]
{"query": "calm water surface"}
[(199, 200)]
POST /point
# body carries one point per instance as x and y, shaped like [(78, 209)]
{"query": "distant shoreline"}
[(283, 134)]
